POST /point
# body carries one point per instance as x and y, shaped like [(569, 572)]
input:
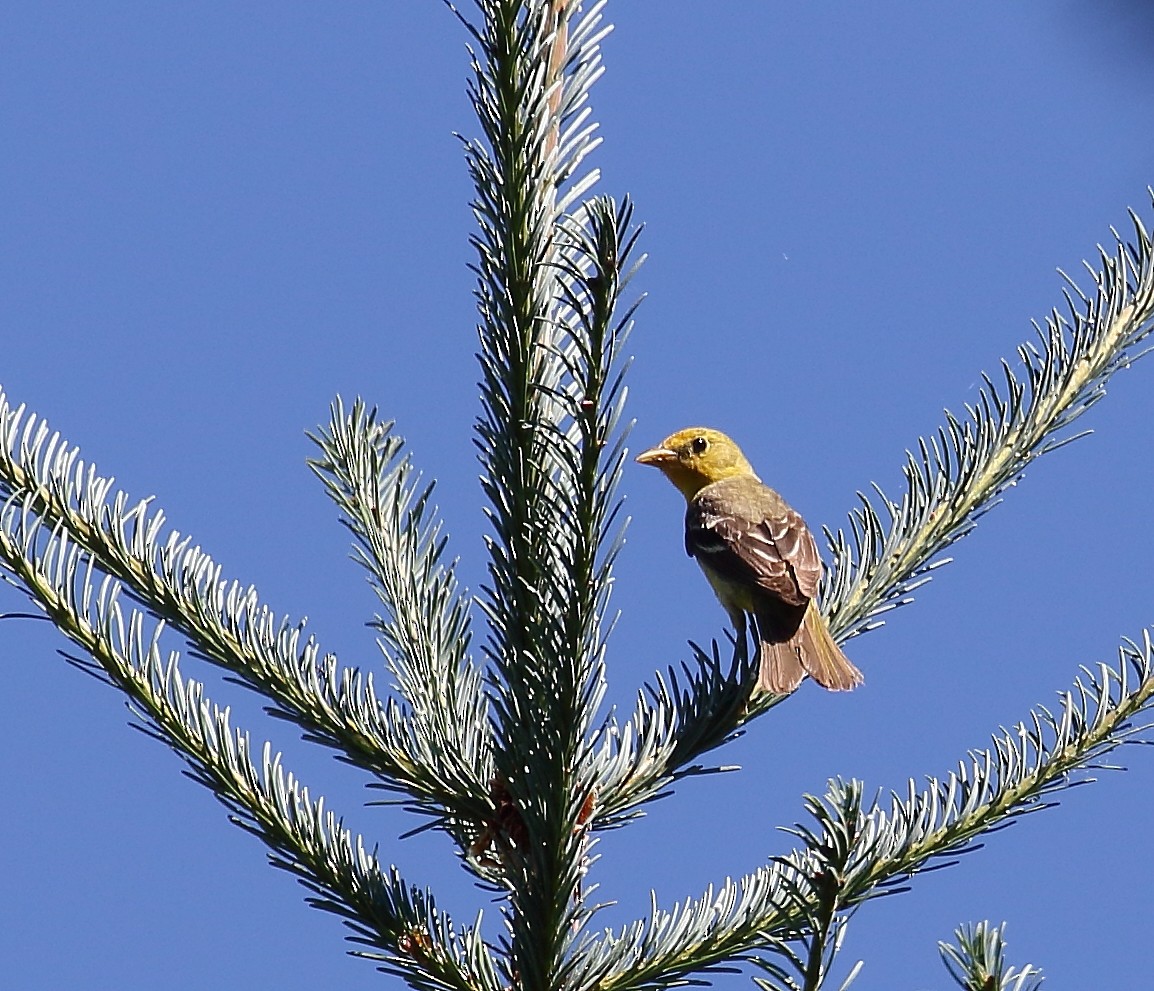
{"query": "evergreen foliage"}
[(506, 748)]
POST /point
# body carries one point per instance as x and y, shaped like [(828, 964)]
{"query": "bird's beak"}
[(656, 456)]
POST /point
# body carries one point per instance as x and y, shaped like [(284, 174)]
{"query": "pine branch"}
[(400, 924), (815, 892), (44, 479), (884, 846), (426, 633), (953, 480), (548, 282), (961, 473), (529, 261), (978, 962), (595, 254)]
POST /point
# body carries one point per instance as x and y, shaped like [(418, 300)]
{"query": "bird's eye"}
[(699, 445)]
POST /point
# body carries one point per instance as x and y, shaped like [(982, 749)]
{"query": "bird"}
[(759, 557)]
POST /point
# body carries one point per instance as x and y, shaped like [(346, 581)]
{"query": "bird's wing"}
[(749, 535)]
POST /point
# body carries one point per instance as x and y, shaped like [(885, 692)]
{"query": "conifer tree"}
[(500, 739)]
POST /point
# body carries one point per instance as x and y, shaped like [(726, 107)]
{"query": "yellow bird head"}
[(695, 457)]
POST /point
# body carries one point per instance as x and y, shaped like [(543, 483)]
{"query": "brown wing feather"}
[(748, 539), (749, 535)]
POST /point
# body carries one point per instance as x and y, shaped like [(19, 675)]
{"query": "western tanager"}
[(758, 555)]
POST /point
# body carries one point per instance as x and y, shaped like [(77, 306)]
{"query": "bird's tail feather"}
[(780, 668), (811, 650)]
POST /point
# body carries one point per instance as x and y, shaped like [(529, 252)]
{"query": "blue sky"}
[(215, 218)]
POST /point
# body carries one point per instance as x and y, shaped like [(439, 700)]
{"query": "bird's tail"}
[(811, 651)]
